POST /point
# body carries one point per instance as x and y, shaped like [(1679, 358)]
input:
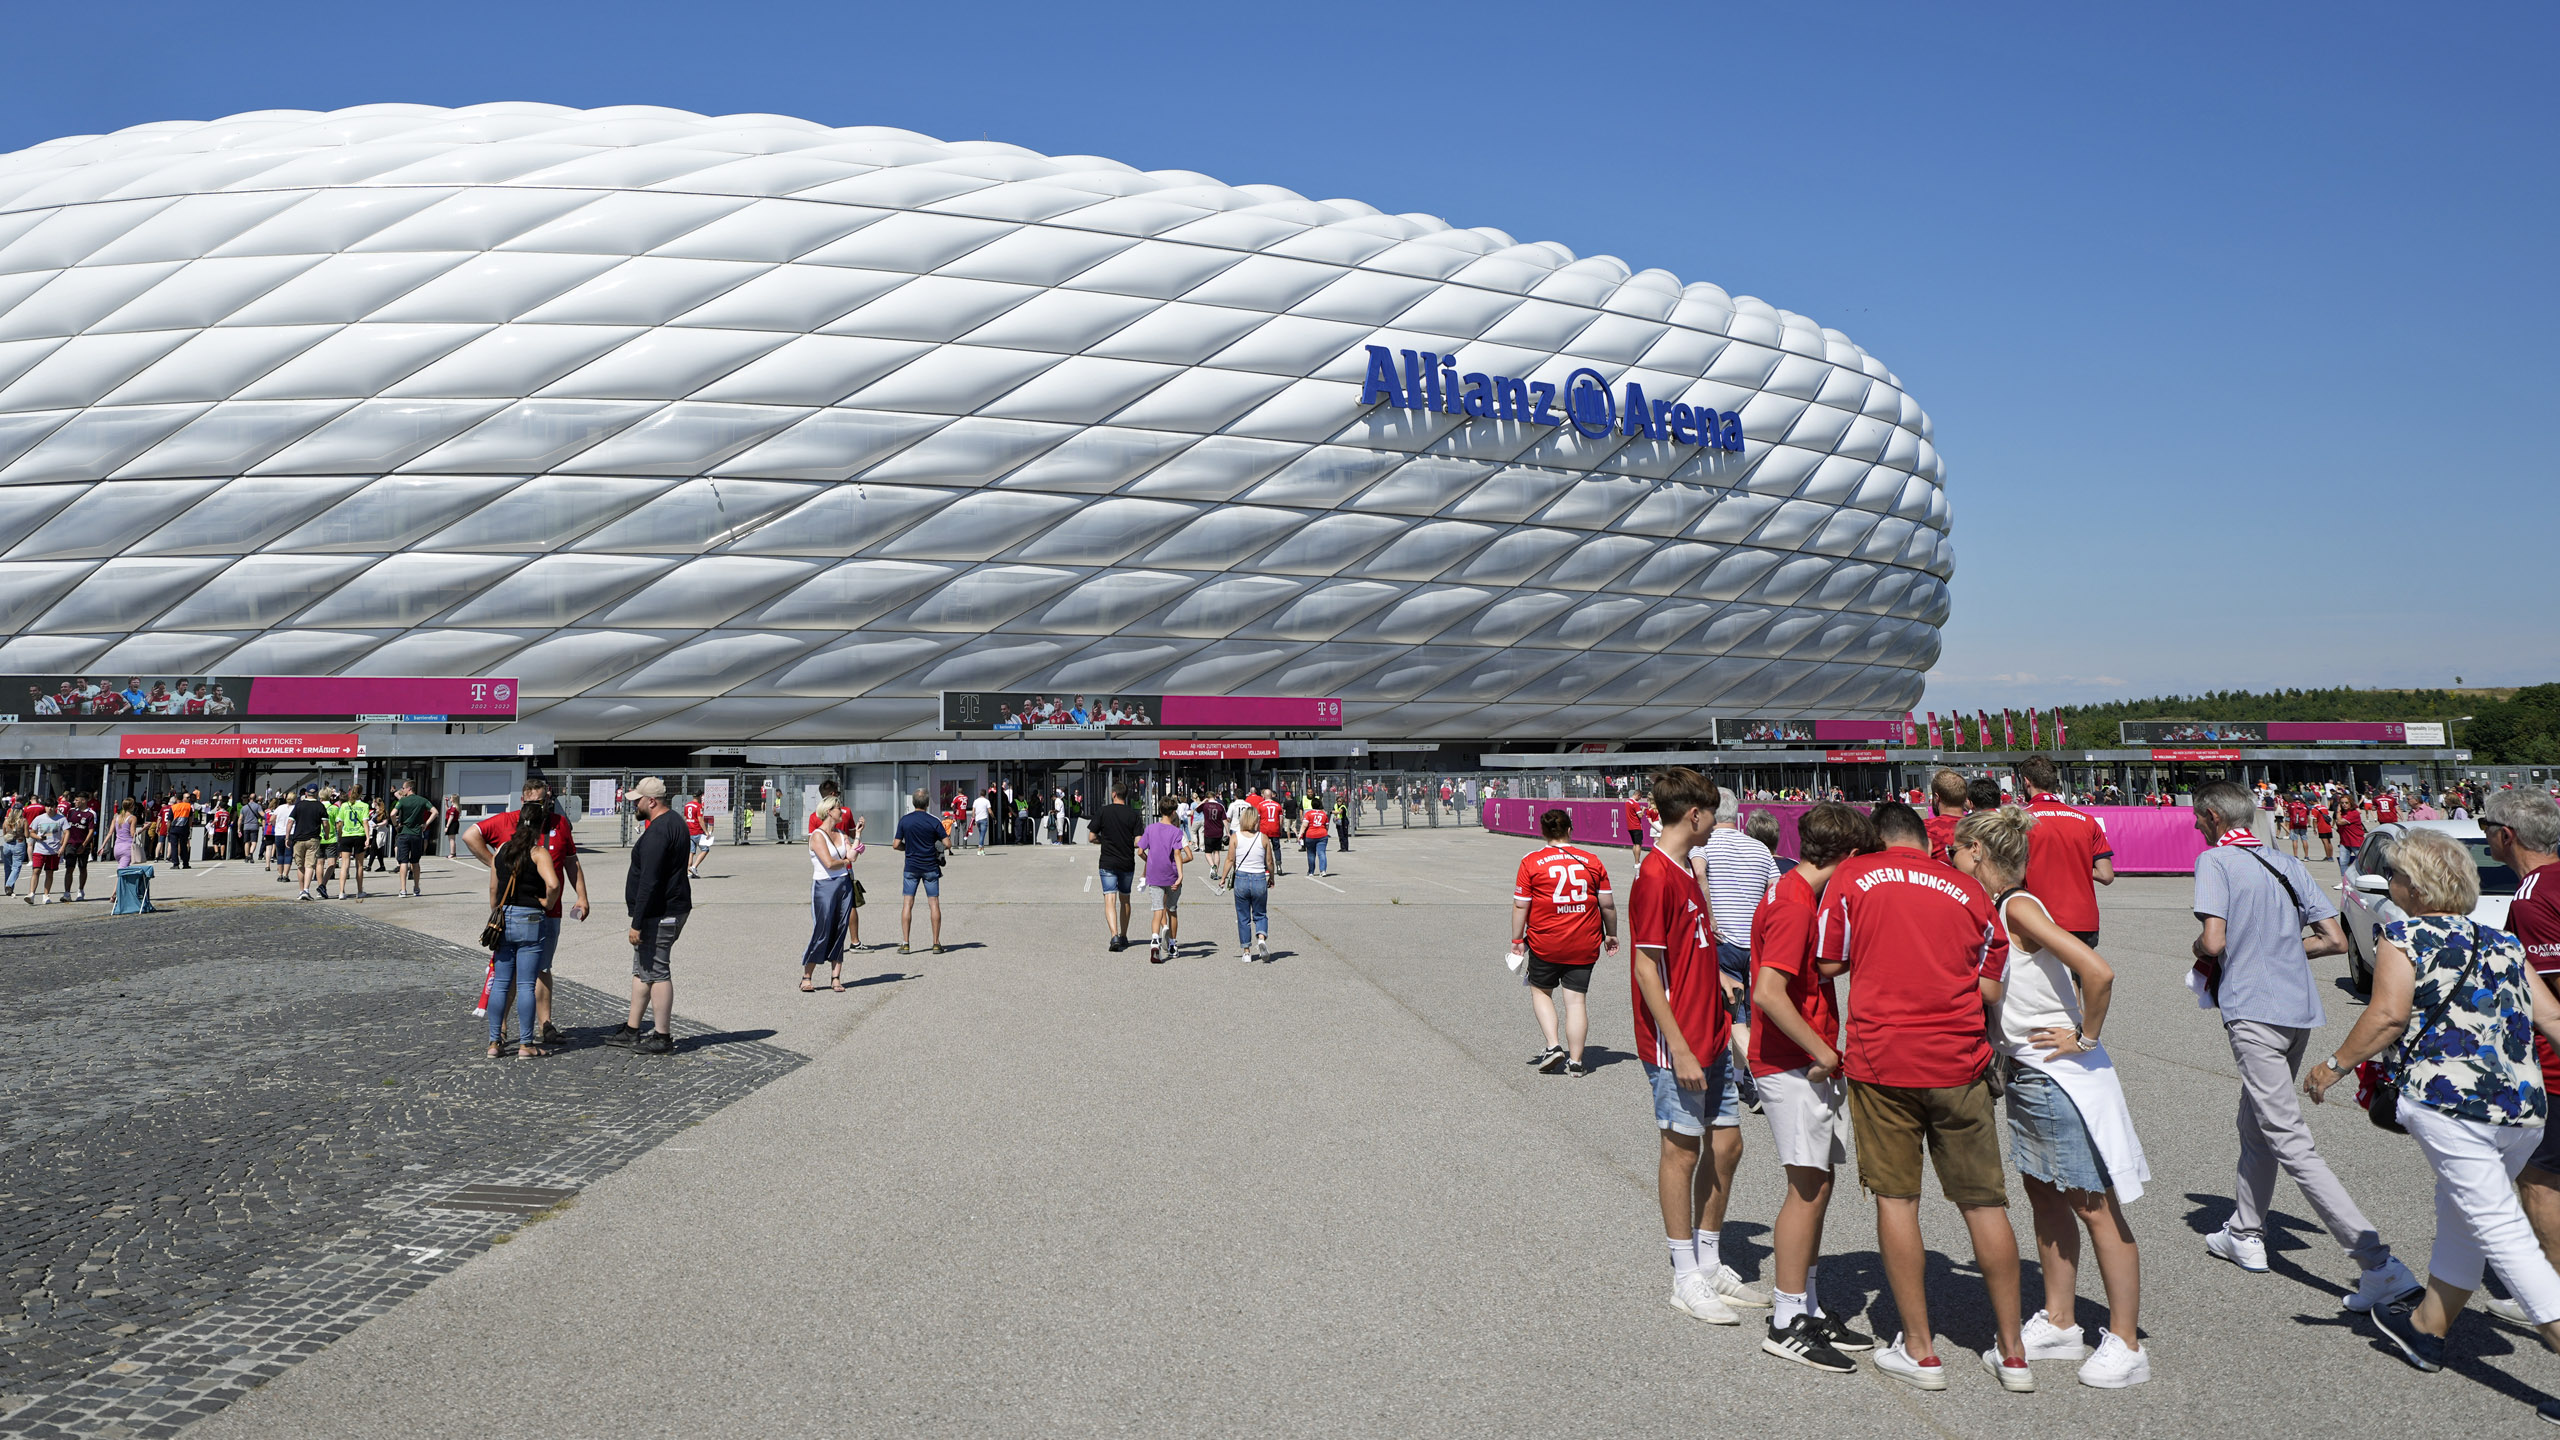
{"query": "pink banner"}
[(2148, 840), (352, 697), (1249, 712)]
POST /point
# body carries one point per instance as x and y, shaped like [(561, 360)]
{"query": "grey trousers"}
[(2272, 1134)]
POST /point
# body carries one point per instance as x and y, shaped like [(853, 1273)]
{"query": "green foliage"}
[(2522, 730)]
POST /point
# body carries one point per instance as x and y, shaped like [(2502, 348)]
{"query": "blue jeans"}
[(1315, 856), (1253, 907), (13, 859), (519, 963), (831, 905)]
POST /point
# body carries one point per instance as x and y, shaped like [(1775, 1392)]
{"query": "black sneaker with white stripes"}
[(1802, 1342), (1840, 1336), (1549, 1060)]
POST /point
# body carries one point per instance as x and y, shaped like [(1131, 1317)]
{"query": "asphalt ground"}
[(1029, 1185)]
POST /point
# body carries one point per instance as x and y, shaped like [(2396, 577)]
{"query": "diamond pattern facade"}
[(740, 427)]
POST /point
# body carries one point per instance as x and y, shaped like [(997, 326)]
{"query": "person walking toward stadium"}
[(1116, 828), (1683, 1037), (1795, 1054), (1562, 918), (2070, 1131), (411, 815), (697, 829), (1315, 825), (922, 839), (1164, 849), (2068, 853), (79, 842), (1924, 952), (2297, 823), (2320, 827), (2253, 964), (1248, 876)]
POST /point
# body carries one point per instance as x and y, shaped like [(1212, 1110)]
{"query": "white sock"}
[(1710, 1248), (1812, 1291), (1684, 1257), (1788, 1308)]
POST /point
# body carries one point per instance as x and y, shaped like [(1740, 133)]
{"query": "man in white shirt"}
[(1736, 871), (981, 812)]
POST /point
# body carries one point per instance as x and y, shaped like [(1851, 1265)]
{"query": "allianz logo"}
[(1430, 381)]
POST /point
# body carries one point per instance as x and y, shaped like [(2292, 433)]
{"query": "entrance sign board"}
[(1217, 749), (230, 699), (2195, 754), (1855, 757), (236, 747)]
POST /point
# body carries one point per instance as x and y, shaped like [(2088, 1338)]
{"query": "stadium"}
[(742, 430)]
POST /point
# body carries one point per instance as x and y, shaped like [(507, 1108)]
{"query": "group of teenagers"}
[(1968, 940)]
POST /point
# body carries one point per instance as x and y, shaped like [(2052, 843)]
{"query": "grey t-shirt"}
[(2265, 975)]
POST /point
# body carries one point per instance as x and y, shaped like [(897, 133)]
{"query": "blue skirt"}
[(2047, 1139)]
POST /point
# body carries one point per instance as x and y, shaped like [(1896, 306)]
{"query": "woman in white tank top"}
[(2071, 1134), (831, 893)]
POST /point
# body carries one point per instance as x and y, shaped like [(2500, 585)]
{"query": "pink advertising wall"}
[(2147, 840)]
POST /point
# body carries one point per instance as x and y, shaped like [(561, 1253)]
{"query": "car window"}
[(2375, 857), (2495, 879)]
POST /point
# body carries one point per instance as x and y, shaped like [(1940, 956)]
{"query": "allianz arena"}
[(741, 428)]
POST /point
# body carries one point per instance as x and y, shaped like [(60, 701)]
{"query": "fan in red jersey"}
[(1562, 917), (2068, 853)]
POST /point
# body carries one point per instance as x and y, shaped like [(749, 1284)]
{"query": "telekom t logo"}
[(479, 690)]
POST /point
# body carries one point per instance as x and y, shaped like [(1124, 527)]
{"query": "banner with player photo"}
[(231, 699)]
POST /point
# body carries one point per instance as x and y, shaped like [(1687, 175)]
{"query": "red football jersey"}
[(2386, 809), (2533, 917), (1563, 888), (1668, 912), (1782, 940), (2061, 850), (1942, 837), (1918, 935)]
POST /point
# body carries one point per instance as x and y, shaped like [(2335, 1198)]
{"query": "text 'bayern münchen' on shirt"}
[(1564, 889), (2065, 845), (1782, 934), (1667, 912), (1918, 937)]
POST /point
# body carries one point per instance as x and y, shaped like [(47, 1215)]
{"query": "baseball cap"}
[(650, 788)]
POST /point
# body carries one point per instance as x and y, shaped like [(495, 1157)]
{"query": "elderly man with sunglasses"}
[(2253, 963), (2523, 832)]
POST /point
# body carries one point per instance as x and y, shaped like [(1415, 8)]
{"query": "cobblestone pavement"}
[(223, 1129)]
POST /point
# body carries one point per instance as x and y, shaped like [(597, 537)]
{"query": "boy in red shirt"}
[(2068, 853), (1795, 1055), (2320, 827), (1635, 825), (1561, 917), (1924, 955), (1682, 1036), (695, 827)]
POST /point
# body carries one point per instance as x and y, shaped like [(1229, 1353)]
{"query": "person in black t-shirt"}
[(1116, 828)]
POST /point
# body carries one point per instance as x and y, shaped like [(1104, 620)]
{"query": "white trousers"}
[(2478, 1218)]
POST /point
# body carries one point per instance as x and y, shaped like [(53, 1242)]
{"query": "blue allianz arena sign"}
[(1432, 382)]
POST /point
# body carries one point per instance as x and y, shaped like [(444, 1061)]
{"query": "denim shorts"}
[(2047, 1139), (1692, 1112), (1119, 882), (931, 881)]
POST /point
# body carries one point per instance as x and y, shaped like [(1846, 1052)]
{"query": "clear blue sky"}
[(2236, 321)]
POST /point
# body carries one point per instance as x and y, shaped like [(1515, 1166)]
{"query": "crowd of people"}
[(1968, 938)]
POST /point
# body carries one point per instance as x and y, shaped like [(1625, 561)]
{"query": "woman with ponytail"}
[(523, 885), (2071, 1134)]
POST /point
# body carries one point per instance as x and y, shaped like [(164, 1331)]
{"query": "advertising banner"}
[(236, 747), (230, 699), (1777, 730), (2281, 732), (1217, 749), (1934, 740), (1062, 712)]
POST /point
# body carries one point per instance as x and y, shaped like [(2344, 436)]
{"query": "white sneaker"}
[(2381, 1285), (83, 895), (2249, 1252), (1693, 1296), (2116, 1365), (1730, 1289), (2016, 1379), (2048, 1341), (1262, 947), (1245, 955), (1897, 1362), (2499, 1307)]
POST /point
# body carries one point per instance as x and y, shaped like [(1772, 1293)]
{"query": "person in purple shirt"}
[(1165, 854)]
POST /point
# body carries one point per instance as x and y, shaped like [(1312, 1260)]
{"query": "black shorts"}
[(1213, 844), (350, 844), (409, 848), (1547, 975)]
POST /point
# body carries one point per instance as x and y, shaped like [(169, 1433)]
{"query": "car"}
[(2364, 894)]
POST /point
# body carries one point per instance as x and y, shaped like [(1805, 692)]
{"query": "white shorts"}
[(1809, 1120)]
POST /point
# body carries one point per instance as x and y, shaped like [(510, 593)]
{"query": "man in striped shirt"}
[(1736, 871)]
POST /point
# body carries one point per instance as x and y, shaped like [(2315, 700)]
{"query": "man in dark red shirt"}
[(2068, 854), (1561, 917), (2523, 832), (1947, 806), (1684, 1038), (1924, 954)]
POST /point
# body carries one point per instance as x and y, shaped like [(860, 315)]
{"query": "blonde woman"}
[(2454, 1009), (2070, 1132), (831, 854)]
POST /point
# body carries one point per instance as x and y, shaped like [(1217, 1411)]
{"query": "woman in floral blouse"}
[(2454, 1010)]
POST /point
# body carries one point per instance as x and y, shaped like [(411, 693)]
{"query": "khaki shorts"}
[(306, 853), (1959, 1125)]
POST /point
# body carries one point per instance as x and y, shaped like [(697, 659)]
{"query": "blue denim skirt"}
[(2047, 1139)]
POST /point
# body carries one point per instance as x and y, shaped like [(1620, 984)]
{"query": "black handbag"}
[(494, 934)]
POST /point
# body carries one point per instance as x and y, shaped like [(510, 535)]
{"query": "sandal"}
[(530, 1052), (838, 982), (493, 1049), (805, 987)]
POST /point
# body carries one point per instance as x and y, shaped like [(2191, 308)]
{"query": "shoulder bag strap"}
[(2289, 892)]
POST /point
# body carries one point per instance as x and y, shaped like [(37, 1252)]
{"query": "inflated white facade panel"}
[(740, 427)]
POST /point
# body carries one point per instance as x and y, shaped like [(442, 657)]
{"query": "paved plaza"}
[(1023, 1186)]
